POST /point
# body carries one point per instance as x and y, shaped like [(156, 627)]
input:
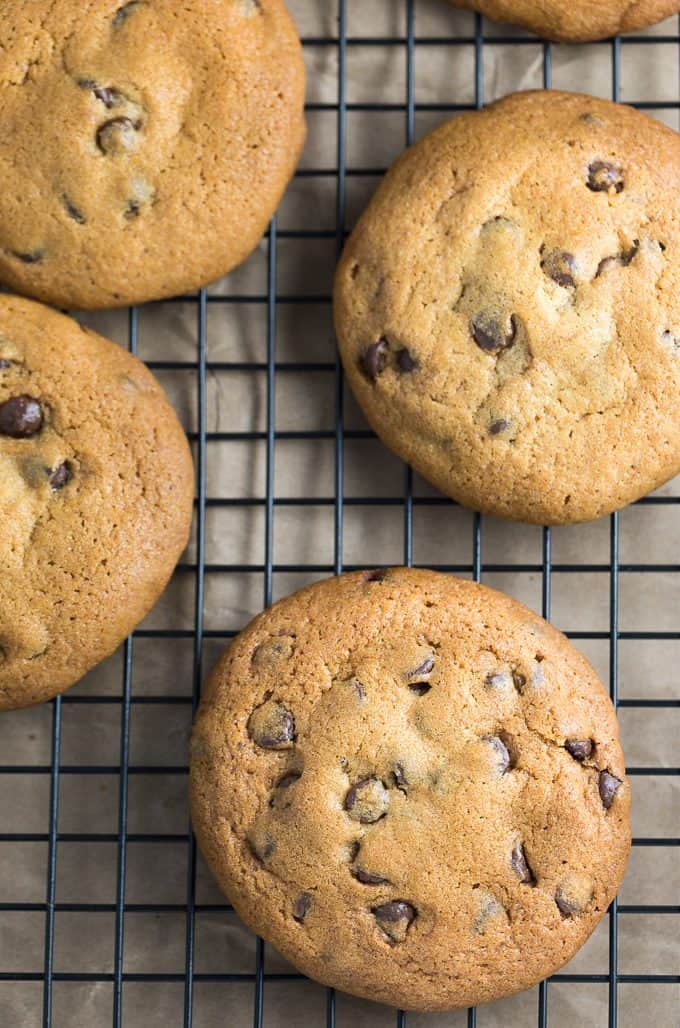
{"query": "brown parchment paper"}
[(156, 873)]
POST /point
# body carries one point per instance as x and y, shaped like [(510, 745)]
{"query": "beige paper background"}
[(156, 873)]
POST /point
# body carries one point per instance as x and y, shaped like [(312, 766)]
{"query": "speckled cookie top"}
[(575, 20), (96, 493), (412, 786), (146, 144), (508, 307)]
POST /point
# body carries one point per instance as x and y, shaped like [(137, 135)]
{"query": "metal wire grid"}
[(202, 439)]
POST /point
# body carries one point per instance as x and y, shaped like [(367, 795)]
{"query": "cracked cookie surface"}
[(508, 307), (573, 21), (427, 849), (96, 495), (150, 142)]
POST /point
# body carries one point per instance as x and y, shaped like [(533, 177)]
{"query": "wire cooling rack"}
[(43, 981)]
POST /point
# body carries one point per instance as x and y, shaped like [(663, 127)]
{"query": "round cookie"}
[(508, 307), (148, 143), (573, 21), (412, 786), (96, 496)]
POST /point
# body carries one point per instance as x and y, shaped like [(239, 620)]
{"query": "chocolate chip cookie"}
[(412, 786), (508, 307), (574, 21), (147, 144), (96, 494)]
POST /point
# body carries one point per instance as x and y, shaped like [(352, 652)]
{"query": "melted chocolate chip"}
[(374, 359), (367, 801), (109, 96), (60, 476), (405, 362), (301, 906), (579, 749), (501, 749), (519, 680), (608, 786), (272, 726), (490, 334), (32, 257), (603, 177), (73, 211), (498, 426), (560, 266), (118, 136), (367, 878), (395, 918), (20, 417), (290, 779), (520, 865), (619, 260)]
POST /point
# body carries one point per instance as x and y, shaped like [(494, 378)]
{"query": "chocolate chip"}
[(272, 726), (490, 334), (367, 878), (489, 908), (132, 210), (262, 848), (604, 176), (419, 685), (358, 688), (290, 779), (608, 786), (519, 680), (497, 680), (395, 918), (502, 752), (32, 257), (109, 96), (560, 266), (405, 362), (400, 779), (568, 905), (619, 260), (301, 906), (118, 136), (20, 417), (670, 340), (4, 364), (379, 575), (367, 801), (374, 359), (498, 426), (272, 651), (124, 12), (520, 865), (60, 476), (73, 211), (579, 749)]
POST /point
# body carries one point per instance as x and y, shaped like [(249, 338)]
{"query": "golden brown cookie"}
[(146, 144), (508, 307), (96, 494), (573, 21), (412, 786)]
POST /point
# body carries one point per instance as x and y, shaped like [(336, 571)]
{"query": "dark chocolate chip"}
[(109, 97), (419, 674), (73, 211), (520, 865), (405, 362), (519, 680), (374, 359), (124, 12), (290, 779), (502, 752), (60, 476), (490, 334), (118, 136), (379, 575), (367, 801), (579, 749), (272, 726), (603, 176), (400, 778), (395, 918), (272, 651), (560, 266), (608, 786), (620, 260), (567, 904), (301, 906), (132, 210), (32, 257), (4, 364), (20, 417), (498, 426), (367, 878)]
